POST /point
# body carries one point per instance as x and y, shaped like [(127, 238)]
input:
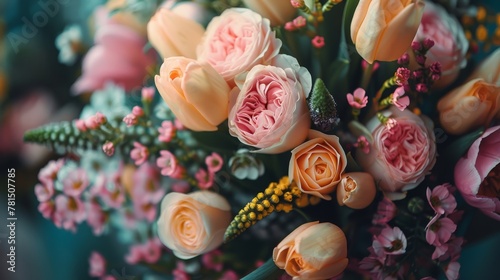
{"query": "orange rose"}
[(474, 104), (356, 190), (313, 251), (317, 165), (174, 35), (193, 224), (384, 29), (192, 90)]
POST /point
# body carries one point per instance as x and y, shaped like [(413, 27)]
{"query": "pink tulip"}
[(477, 174)]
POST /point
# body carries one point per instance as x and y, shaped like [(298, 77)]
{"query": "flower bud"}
[(356, 190)]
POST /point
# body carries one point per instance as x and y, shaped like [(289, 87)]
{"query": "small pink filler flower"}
[(357, 100)]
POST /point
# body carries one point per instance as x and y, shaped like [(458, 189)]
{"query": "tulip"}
[(384, 29), (192, 90), (356, 190), (174, 35), (313, 251), (277, 11), (489, 69)]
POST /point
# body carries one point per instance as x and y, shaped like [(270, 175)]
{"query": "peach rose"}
[(356, 190), (450, 44), (400, 157), (313, 251), (194, 91), (172, 34), (236, 41), (384, 29), (474, 104), (193, 224), (317, 165), (268, 106), (277, 11), (489, 69)]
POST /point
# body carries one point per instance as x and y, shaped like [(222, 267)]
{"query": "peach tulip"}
[(356, 190), (277, 11), (384, 29), (197, 95), (474, 104), (174, 35), (313, 251), (317, 165), (193, 224)]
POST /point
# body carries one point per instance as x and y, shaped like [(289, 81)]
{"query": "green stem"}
[(367, 75)]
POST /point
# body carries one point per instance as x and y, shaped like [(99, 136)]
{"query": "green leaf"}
[(219, 141), (352, 165), (268, 271), (349, 9), (453, 152)]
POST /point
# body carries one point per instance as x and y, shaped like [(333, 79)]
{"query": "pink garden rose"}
[(399, 157), (477, 174), (268, 108), (117, 56), (193, 224), (236, 41), (450, 45)]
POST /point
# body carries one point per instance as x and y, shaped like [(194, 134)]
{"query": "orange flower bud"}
[(356, 190)]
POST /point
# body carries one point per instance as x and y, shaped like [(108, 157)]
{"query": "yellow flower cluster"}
[(277, 197)]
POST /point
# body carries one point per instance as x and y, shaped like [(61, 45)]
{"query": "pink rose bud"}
[(148, 93), (137, 111), (318, 42), (80, 125)]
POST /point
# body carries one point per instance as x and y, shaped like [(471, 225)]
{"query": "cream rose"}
[(193, 224), (236, 41), (317, 165), (268, 106), (192, 90), (400, 157), (474, 104), (313, 251), (384, 29)]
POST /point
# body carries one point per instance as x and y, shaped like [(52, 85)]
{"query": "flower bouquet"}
[(286, 139)]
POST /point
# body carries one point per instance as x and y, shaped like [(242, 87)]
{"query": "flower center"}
[(490, 186), (435, 201), (395, 246)]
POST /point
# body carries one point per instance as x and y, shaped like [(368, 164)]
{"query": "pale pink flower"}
[(44, 192), (214, 162), (400, 102), (49, 172), (180, 273), (130, 119), (205, 179), (167, 162), (318, 42), (441, 200), (357, 100), (439, 231), (299, 22), (47, 209), (80, 125), (146, 182), (148, 252), (212, 260), (166, 131), (402, 75), (75, 182), (69, 212), (110, 190), (100, 118), (290, 26), (450, 250), (97, 265), (108, 148), (95, 121), (137, 111), (134, 255), (386, 211), (179, 125), (147, 94), (452, 270), (391, 240), (139, 153), (144, 209), (96, 217), (297, 3), (363, 144), (236, 41)]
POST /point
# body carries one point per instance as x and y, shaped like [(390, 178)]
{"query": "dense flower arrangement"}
[(279, 139)]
